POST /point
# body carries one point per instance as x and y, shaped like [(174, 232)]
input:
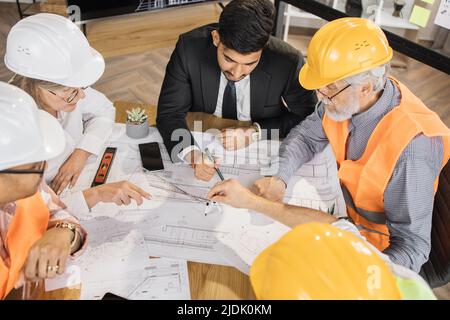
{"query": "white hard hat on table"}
[(27, 134), (50, 47)]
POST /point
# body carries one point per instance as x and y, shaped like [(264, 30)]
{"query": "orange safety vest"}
[(28, 225), (363, 181)]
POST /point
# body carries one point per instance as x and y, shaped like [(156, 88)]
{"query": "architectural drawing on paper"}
[(185, 237), (241, 247), (174, 225), (161, 279)]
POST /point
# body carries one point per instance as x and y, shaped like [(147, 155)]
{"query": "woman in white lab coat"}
[(87, 117), (55, 64)]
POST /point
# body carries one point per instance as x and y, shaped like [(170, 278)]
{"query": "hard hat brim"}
[(92, 70), (311, 80), (53, 136), (53, 139), (86, 76)]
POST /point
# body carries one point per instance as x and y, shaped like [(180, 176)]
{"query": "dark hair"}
[(245, 25)]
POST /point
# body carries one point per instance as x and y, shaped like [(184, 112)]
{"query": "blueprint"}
[(241, 247), (161, 279), (176, 226), (117, 261)]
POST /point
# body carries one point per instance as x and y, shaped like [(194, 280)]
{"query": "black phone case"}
[(146, 151), (112, 296)]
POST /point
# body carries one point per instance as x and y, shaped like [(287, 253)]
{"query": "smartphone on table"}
[(112, 296), (151, 156)]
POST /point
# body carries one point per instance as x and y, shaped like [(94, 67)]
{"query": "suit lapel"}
[(210, 78), (259, 87)]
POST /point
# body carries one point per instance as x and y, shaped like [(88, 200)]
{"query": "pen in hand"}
[(210, 157)]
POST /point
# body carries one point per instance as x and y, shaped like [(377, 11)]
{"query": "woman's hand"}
[(120, 193), (70, 171), (48, 256)]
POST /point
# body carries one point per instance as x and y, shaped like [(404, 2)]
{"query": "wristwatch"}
[(72, 227), (257, 134)]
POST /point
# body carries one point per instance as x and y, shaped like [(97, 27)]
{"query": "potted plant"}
[(137, 126)]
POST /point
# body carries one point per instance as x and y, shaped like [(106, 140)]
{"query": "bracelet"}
[(72, 227)]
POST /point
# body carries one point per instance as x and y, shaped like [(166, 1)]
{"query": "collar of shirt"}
[(242, 97), (383, 105), (241, 82)]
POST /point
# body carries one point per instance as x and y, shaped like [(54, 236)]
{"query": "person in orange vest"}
[(332, 264), (389, 147), (37, 234)]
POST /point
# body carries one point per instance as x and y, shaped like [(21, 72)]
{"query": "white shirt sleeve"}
[(183, 153), (98, 114), (76, 204)]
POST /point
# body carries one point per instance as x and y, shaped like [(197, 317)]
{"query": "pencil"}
[(208, 154)]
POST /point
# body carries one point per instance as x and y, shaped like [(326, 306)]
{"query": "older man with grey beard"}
[(389, 146)]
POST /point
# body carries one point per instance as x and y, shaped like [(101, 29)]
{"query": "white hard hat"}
[(50, 47), (27, 134)]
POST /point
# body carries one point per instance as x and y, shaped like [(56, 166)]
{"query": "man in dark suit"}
[(234, 70)]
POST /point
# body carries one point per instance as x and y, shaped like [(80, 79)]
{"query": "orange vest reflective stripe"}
[(28, 225), (364, 180)]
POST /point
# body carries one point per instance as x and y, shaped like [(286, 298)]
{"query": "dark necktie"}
[(229, 101)]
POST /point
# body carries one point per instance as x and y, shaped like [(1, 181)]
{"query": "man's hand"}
[(231, 192), (271, 188), (70, 171), (48, 256), (236, 138), (120, 193), (203, 167)]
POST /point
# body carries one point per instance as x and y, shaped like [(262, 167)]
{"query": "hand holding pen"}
[(210, 157)]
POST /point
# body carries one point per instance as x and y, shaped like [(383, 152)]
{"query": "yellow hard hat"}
[(319, 261), (342, 48)]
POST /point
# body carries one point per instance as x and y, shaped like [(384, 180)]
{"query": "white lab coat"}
[(88, 127)]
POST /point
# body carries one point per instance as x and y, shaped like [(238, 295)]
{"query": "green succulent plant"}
[(136, 116)]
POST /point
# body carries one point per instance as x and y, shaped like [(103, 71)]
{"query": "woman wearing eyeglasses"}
[(55, 64), (37, 233)]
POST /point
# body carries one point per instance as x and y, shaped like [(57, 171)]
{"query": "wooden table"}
[(207, 281)]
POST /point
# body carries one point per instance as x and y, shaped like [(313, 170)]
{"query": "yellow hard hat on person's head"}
[(319, 261), (342, 48)]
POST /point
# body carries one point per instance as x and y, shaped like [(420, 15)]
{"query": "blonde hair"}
[(33, 86)]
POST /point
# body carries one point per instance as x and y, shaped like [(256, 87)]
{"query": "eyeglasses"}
[(72, 96), (334, 95), (39, 171)]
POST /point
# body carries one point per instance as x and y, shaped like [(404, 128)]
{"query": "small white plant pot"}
[(137, 131)]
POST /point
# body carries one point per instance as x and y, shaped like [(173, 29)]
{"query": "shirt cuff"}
[(284, 174), (259, 130), (183, 153), (76, 204)]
